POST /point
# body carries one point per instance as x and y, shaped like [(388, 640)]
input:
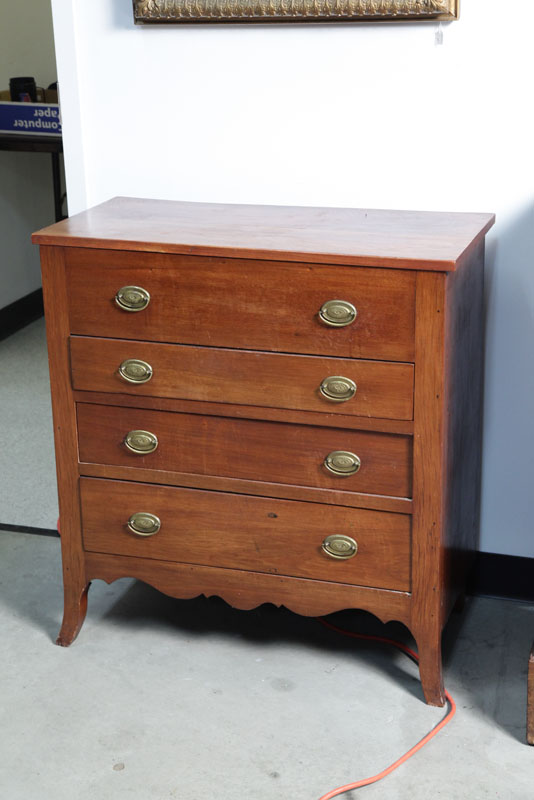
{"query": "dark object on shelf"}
[(23, 90)]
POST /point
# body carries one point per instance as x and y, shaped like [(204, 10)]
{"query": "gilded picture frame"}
[(183, 11)]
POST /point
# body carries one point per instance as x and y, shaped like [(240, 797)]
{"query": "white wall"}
[(356, 115), (26, 192)]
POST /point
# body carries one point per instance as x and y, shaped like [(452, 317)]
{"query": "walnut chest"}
[(269, 404)]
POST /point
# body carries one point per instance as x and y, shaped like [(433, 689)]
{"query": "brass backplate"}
[(132, 298), (339, 546), (337, 313), (337, 388), (133, 370), (142, 523), (342, 463), (141, 442)]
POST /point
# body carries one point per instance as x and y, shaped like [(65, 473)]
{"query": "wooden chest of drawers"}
[(269, 404)]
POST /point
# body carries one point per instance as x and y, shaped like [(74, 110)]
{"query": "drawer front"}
[(247, 449), (255, 305), (234, 531), (384, 390)]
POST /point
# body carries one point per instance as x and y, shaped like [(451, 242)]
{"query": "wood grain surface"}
[(247, 449), (447, 452), (298, 416), (462, 436), (253, 305), (250, 533), (464, 369), (287, 491), (75, 585), (247, 590), (385, 389), (367, 237), (429, 487), (238, 355)]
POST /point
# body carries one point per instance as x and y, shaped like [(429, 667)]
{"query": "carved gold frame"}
[(179, 11)]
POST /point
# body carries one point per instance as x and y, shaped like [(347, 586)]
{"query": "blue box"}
[(30, 118)]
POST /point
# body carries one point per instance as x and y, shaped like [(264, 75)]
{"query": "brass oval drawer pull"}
[(141, 442), (339, 546), (135, 371), (337, 388), (337, 313), (144, 524), (342, 463), (132, 298)]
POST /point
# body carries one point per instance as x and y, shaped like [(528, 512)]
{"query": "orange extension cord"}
[(450, 714), (410, 653)]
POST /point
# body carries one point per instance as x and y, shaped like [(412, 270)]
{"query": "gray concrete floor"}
[(27, 465), (160, 698)]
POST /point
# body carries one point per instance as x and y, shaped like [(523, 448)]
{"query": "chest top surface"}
[(425, 240)]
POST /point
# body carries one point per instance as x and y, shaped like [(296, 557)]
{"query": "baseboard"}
[(496, 575), (20, 313), (28, 529)]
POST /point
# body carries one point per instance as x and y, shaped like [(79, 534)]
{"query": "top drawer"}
[(245, 304)]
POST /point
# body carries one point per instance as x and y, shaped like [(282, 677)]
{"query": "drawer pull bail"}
[(135, 371), (337, 313), (141, 442), (144, 524), (337, 388), (339, 546), (132, 298), (342, 463)]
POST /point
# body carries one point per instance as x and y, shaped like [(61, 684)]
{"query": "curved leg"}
[(430, 669), (74, 611)]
